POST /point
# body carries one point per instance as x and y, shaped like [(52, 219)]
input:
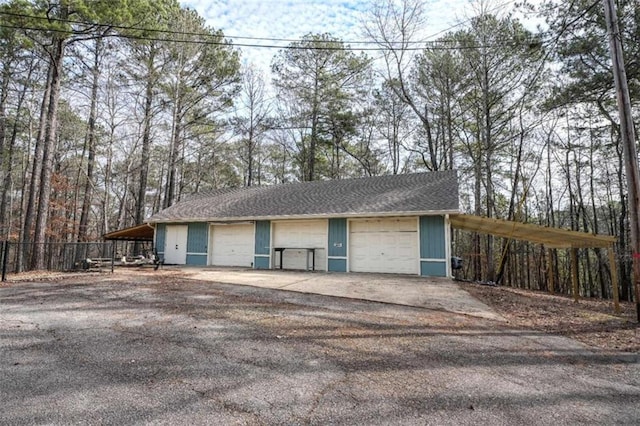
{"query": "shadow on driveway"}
[(156, 348)]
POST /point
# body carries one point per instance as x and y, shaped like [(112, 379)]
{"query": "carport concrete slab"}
[(422, 292)]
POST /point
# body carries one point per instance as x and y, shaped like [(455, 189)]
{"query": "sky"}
[(292, 19)]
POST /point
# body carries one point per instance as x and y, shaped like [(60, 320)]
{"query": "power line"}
[(207, 38), (407, 45), (168, 31), (434, 45)]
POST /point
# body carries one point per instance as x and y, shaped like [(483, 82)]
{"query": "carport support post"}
[(5, 259), (113, 254), (614, 279), (574, 273), (550, 270)]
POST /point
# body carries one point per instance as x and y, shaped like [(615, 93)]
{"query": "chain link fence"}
[(17, 257)]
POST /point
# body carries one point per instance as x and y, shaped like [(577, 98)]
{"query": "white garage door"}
[(384, 245), (232, 245), (297, 236)]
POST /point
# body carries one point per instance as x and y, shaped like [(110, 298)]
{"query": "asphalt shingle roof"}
[(383, 195)]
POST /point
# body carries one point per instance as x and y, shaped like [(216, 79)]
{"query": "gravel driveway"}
[(159, 348)]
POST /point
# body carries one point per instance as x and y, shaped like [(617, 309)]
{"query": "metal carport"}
[(142, 232)]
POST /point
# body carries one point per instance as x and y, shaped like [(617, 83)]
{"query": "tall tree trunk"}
[(585, 227), (551, 218), (449, 126), (90, 144), (34, 181), (433, 150), (623, 228), (602, 273), (476, 250), (488, 154), (512, 214), (250, 153), (4, 94), (107, 182), (311, 154), (8, 170), (42, 216), (174, 152), (146, 143), (124, 201)]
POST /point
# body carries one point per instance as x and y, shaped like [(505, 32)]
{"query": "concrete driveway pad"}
[(158, 348), (409, 290)]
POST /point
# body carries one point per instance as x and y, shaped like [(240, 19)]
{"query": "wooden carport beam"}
[(550, 237)]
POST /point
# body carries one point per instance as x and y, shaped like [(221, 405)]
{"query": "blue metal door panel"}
[(198, 238), (161, 232), (262, 250), (432, 237), (263, 237), (337, 243)]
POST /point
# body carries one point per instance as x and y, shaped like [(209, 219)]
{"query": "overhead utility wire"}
[(433, 45), (167, 31), (155, 30)]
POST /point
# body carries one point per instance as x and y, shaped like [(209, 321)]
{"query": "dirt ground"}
[(590, 321), (166, 347)]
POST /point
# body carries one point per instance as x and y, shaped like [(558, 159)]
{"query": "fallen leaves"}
[(589, 321)]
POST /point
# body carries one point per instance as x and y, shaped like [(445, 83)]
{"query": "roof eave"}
[(307, 216)]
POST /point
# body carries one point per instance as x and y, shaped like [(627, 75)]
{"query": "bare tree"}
[(252, 120)]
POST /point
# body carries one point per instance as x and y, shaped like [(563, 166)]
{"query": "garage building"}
[(387, 224)]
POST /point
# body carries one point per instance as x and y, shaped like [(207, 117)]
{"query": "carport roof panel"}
[(379, 195), (142, 232), (551, 237)]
